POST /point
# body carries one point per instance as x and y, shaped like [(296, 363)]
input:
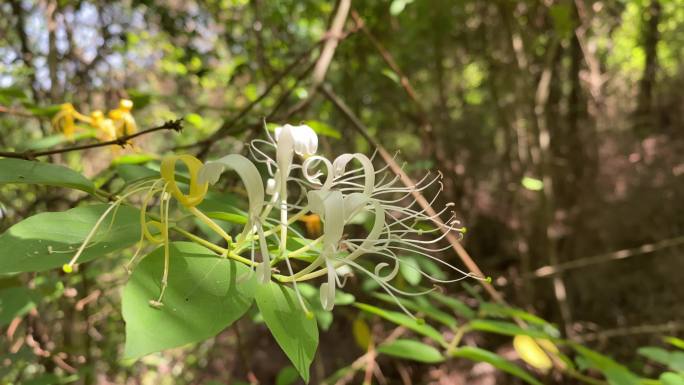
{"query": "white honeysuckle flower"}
[(303, 138), (341, 191), (396, 227), (329, 205)]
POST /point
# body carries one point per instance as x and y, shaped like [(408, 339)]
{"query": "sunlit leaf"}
[(205, 294), (48, 240), (31, 172), (532, 183), (674, 341), (670, 378), (295, 332), (410, 270), (136, 158), (323, 129)]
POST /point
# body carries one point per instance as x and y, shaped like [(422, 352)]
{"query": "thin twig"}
[(175, 125), (547, 271), (408, 182), (670, 327)]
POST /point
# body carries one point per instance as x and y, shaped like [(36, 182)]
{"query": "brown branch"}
[(551, 270), (15, 112), (332, 38), (175, 125), (408, 182), (669, 327)]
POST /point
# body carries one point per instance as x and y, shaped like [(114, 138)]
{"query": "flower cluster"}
[(120, 121), (329, 195)]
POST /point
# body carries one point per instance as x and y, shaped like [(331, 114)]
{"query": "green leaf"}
[(323, 129), (481, 355), (228, 217), (140, 99), (48, 240), (561, 14), (415, 304), (12, 93), (505, 328), (454, 304), (532, 183), (655, 354), (398, 6), (391, 75), (296, 333), (312, 295), (287, 376), (670, 378), (674, 341), (53, 140), (194, 119), (46, 112), (489, 309), (677, 361), (615, 373), (410, 270), (14, 302), (403, 320), (131, 172), (205, 294), (412, 350), (26, 171), (51, 379), (136, 158)]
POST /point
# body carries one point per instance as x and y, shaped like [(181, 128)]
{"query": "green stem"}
[(220, 250), (458, 335)]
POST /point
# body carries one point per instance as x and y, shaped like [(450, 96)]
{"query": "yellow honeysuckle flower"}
[(105, 127), (168, 173), (65, 120), (123, 119)]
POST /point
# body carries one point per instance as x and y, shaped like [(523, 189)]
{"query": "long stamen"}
[(69, 267), (164, 207)]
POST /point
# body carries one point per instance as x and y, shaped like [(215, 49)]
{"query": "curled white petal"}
[(329, 205), (303, 138), (247, 171), (340, 164)]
